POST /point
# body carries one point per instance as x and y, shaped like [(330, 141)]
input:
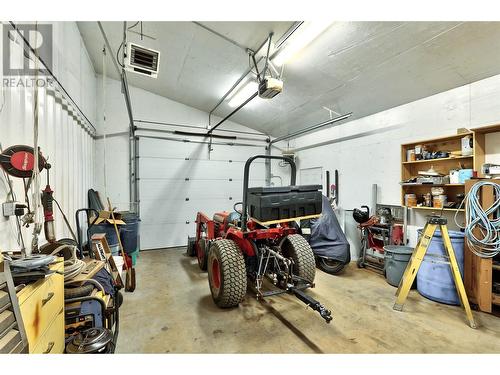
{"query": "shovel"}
[(129, 271)]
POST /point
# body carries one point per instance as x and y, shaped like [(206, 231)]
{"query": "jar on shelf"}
[(428, 200), (410, 200)]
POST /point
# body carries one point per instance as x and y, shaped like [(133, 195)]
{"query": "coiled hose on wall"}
[(482, 233)]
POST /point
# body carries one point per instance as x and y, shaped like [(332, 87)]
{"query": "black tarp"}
[(327, 238)]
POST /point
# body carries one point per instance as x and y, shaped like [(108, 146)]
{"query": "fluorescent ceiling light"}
[(304, 35), (243, 94)]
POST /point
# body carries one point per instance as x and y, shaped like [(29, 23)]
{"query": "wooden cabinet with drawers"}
[(42, 310)]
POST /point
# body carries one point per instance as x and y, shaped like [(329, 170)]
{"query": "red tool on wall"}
[(18, 161), (48, 212)]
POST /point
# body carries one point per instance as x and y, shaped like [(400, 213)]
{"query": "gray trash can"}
[(396, 259)]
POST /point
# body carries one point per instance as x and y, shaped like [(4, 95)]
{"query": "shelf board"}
[(440, 139), (437, 160), (487, 129), (496, 266), (432, 185), (437, 209)]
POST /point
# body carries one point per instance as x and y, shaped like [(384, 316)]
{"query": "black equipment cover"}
[(327, 238)]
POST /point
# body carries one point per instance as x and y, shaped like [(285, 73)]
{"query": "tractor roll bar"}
[(244, 214)]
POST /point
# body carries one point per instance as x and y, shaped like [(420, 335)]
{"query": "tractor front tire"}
[(227, 275), (202, 253), (296, 247)]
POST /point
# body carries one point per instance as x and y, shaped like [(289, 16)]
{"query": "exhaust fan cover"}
[(142, 60)]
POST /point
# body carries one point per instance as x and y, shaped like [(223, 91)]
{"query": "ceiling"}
[(359, 67)]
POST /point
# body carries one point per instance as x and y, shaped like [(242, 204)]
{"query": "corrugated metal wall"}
[(62, 139), (68, 147)]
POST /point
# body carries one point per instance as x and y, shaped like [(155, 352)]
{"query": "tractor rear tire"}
[(227, 275), (296, 247), (202, 253)]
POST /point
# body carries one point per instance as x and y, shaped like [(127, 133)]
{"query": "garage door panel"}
[(159, 148), (180, 212), (179, 189), (241, 153), (157, 236), (214, 185), (200, 169)]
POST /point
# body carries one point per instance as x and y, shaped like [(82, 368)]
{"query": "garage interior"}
[(224, 187)]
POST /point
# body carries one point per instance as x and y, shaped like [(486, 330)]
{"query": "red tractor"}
[(259, 244)]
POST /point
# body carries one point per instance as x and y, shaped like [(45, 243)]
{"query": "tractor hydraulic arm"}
[(311, 302)]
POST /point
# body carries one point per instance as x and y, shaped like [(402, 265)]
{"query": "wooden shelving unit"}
[(479, 273), (410, 169)]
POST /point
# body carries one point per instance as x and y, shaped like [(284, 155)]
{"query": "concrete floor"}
[(171, 311)]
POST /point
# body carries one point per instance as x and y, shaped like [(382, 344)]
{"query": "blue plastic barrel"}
[(130, 233), (434, 278), (111, 236)]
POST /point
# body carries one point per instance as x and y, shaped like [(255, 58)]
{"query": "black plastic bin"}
[(286, 202)]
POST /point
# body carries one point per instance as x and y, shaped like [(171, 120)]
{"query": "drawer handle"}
[(49, 297), (49, 347)]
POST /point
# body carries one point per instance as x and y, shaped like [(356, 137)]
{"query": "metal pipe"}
[(27, 44), (232, 113), (269, 174), (197, 142), (136, 181), (374, 198), (337, 202), (288, 33), (267, 55), (109, 48), (328, 191), (311, 128), (347, 138), (223, 36), (133, 197), (198, 127), (131, 140)]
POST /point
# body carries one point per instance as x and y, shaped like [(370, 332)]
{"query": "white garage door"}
[(178, 179)]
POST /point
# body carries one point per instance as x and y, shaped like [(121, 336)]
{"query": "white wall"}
[(375, 158), (61, 137)]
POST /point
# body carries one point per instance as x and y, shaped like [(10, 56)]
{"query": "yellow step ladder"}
[(416, 260)]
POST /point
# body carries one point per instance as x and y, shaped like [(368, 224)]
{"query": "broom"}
[(129, 271)]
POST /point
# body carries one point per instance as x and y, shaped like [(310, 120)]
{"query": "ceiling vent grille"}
[(142, 60)]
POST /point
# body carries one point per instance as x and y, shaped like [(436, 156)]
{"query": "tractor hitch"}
[(312, 303)]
